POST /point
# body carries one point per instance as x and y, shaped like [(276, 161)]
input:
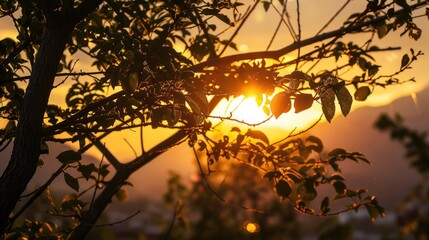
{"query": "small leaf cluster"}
[(326, 89), (297, 168)]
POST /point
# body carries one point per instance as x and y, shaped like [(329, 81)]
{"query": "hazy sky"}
[(255, 36)]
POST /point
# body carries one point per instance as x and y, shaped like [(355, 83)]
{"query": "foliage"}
[(147, 82), (413, 214), (244, 200)]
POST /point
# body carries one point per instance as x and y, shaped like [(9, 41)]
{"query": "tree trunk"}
[(26, 149)]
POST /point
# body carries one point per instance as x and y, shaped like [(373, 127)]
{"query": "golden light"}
[(251, 227), (240, 110)]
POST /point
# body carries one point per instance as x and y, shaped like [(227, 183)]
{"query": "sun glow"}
[(245, 112)]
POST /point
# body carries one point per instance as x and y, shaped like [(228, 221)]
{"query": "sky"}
[(255, 36)]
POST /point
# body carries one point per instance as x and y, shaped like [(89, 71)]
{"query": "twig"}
[(333, 17), (57, 75), (120, 221), (173, 220), (278, 26), (239, 27), (96, 183), (131, 146), (291, 134)]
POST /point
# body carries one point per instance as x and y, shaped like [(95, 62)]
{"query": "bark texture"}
[(26, 149)]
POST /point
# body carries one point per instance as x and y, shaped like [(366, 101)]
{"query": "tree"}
[(413, 216), (133, 47)]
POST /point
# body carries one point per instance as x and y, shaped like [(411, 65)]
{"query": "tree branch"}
[(84, 9), (276, 54)]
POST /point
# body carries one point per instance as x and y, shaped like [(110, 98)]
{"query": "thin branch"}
[(131, 146), (176, 213), (333, 17), (120, 221), (298, 12), (96, 183), (57, 75), (36, 194), (292, 134), (106, 153), (276, 54), (84, 9), (142, 140), (239, 27), (278, 26)]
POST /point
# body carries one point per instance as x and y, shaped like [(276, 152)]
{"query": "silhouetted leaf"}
[(328, 104), (280, 103), (71, 182), (324, 205), (258, 135), (318, 147), (302, 102), (340, 187), (283, 188), (345, 100), (336, 151), (122, 195), (235, 129), (69, 156), (382, 30), (87, 170), (44, 148), (362, 93), (405, 60)]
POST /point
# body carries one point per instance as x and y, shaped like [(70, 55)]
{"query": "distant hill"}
[(389, 176)]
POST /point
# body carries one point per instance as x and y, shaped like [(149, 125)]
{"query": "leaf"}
[(172, 116), (223, 18), (44, 148), (345, 100), (283, 188), (328, 104), (258, 135), (336, 151), (271, 175), (199, 105), (87, 170), (71, 182), (235, 129), (382, 30), (69, 156), (280, 103), (202, 145), (324, 205), (362, 93), (302, 102), (267, 5), (69, 201), (405, 60), (122, 195), (340, 187), (130, 85), (319, 145)]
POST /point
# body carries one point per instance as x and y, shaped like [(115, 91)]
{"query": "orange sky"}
[(255, 36)]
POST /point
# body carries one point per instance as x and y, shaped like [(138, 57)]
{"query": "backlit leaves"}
[(345, 99), (71, 182), (362, 93), (258, 135), (283, 188), (302, 102), (280, 103), (328, 104)]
